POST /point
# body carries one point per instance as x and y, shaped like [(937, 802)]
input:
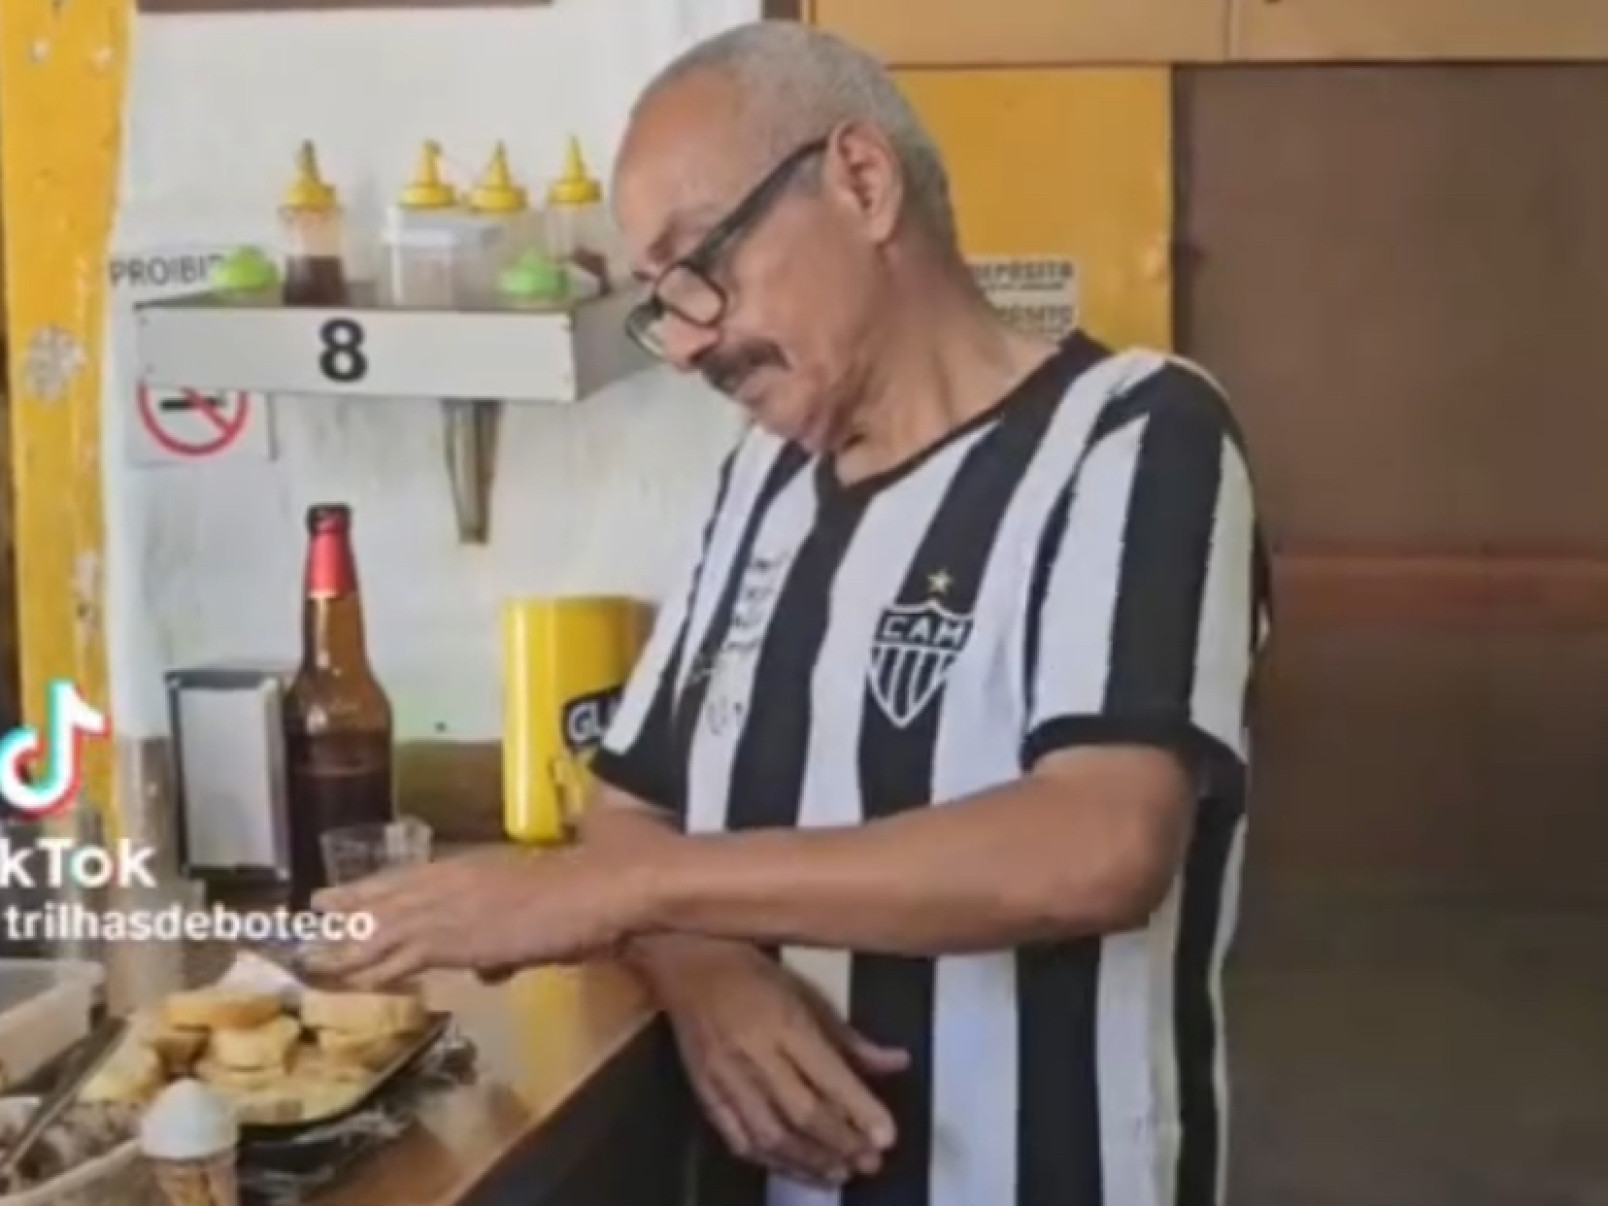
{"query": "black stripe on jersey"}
[(687, 709), (1195, 1037), (1174, 385), (1058, 1111), (891, 998), (645, 768), (1176, 379), (1166, 550)]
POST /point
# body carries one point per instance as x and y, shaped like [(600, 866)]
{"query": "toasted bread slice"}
[(265, 1046), (365, 1014), (178, 1047), (220, 1076), (370, 1051), (220, 1009)]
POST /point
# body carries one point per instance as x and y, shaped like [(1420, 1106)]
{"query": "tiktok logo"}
[(57, 758)]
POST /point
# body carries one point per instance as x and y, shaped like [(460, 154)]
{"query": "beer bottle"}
[(337, 718)]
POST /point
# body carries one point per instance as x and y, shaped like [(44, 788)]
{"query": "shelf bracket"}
[(469, 428)]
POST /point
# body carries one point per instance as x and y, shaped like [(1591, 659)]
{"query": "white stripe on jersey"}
[(1139, 1115), (1083, 589)]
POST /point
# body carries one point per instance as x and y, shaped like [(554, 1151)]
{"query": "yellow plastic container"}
[(565, 662)]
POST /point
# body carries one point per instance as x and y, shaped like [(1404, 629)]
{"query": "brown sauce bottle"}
[(313, 230), (338, 740)]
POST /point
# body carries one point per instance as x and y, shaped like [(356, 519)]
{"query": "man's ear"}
[(863, 171)]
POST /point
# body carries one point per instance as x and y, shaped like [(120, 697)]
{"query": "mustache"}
[(727, 368)]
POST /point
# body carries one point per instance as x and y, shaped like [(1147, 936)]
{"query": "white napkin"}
[(251, 972)]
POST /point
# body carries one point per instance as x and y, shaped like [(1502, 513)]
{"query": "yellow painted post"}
[(62, 71), (1065, 161)]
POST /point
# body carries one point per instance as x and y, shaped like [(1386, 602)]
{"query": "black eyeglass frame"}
[(703, 257)]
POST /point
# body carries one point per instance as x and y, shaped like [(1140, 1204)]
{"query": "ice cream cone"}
[(208, 1182), (189, 1136)]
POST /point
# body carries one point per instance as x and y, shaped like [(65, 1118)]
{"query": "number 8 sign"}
[(341, 357)]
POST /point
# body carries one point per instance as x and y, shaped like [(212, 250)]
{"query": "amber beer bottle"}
[(337, 718)]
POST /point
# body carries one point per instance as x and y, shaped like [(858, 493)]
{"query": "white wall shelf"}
[(471, 361), (213, 342)]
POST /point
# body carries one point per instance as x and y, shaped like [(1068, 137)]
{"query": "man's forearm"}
[(659, 958), (1021, 864)]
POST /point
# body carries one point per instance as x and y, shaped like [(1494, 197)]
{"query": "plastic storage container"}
[(45, 1007), (579, 231), (510, 227), (434, 248)]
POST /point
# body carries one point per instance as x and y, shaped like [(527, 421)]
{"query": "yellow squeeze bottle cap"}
[(496, 192), (428, 190), (574, 187), (309, 191)]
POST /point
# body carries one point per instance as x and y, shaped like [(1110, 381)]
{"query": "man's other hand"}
[(779, 1073)]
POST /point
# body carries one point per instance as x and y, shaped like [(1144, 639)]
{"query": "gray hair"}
[(800, 82)]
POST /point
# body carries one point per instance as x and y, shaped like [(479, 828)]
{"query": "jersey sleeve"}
[(1149, 602), (637, 754)]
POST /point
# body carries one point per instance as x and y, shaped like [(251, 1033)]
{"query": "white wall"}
[(204, 563)]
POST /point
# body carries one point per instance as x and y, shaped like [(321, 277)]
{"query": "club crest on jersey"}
[(914, 646)]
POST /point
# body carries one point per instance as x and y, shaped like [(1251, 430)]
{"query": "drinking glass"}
[(354, 852)]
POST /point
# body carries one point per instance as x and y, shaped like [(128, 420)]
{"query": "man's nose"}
[(684, 343)]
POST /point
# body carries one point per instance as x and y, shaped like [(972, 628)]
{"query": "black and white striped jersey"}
[(1078, 566)]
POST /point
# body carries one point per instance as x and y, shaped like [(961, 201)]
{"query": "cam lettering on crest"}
[(911, 653)]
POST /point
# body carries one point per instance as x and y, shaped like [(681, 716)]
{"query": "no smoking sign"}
[(186, 426), (164, 426)]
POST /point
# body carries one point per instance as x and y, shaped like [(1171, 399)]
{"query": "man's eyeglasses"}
[(687, 289)]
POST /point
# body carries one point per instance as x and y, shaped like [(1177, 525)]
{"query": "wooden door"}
[(1401, 273)]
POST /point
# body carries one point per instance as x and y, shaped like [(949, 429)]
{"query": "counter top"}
[(544, 1038)]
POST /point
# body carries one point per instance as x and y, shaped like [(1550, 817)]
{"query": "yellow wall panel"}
[(1065, 161), (61, 91)]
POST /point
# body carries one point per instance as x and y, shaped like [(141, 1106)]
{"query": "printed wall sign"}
[(1037, 294)]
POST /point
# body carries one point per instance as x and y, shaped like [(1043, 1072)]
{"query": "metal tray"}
[(434, 1028)]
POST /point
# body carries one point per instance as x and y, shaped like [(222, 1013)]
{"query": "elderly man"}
[(922, 812)]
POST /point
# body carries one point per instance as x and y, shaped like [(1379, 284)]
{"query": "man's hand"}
[(777, 1071), (495, 909)]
